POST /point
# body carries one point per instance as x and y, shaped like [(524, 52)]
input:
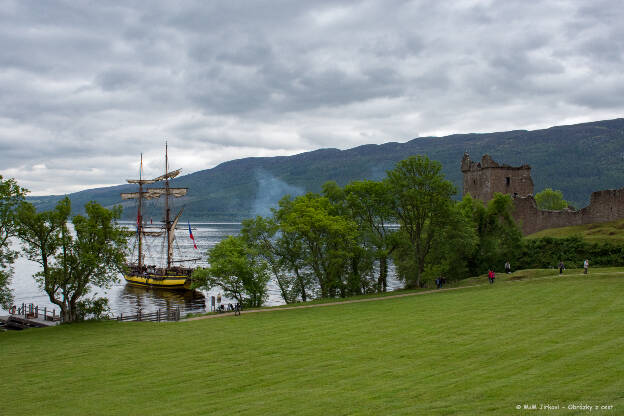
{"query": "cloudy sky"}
[(86, 86)]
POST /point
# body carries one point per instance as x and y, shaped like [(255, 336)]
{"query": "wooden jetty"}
[(30, 316)]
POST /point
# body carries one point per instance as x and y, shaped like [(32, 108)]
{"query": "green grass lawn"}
[(604, 232), (531, 338)]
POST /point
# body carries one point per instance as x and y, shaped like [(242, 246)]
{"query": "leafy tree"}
[(73, 262), (370, 204), (261, 234), (326, 239), (290, 248), (499, 238), (550, 200), (11, 195), (421, 201), (360, 276), (237, 269)]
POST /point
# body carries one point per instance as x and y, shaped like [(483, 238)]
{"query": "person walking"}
[(507, 267), (561, 266), (491, 276), (585, 266)]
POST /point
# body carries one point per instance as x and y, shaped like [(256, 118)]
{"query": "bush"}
[(547, 252)]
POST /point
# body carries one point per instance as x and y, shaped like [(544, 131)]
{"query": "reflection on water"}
[(131, 298), (123, 298), (126, 299)]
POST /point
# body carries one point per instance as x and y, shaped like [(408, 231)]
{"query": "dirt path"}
[(318, 305), (378, 298)]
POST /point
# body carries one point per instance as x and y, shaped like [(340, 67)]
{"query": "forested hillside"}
[(577, 159)]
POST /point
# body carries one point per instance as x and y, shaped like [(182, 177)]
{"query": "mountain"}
[(576, 159)]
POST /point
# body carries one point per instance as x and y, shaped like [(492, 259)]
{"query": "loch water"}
[(126, 299)]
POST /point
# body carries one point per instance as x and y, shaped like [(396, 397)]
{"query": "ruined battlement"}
[(482, 180)]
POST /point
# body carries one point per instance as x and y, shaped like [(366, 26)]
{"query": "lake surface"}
[(126, 299)]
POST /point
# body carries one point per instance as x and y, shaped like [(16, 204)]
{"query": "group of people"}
[(440, 281), (492, 273), (585, 266), (221, 307)]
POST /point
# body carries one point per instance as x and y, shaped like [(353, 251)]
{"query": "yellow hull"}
[(165, 282)]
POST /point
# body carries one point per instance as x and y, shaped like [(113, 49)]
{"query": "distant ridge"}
[(577, 159)]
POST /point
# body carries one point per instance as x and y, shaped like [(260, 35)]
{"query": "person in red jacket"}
[(491, 276)]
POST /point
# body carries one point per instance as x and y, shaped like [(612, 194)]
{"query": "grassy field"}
[(531, 338), (604, 232)]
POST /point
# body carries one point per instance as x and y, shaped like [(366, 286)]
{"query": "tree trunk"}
[(382, 282), (283, 291), (301, 284)]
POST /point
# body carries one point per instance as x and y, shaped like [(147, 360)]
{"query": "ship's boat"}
[(168, 275)]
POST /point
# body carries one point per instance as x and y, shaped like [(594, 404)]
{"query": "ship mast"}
[(152, 193), (167, 211), (140, 215)]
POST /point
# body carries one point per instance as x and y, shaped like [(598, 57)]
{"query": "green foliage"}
[(72, 262), (238, 269), (550, 200), (277, 252), (369, 203), (422, 204), (95, 309), (547, 252), (499, 238), (11, 195), (327, 241)]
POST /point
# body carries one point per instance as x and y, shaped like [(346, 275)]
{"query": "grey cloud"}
[(86, 87)]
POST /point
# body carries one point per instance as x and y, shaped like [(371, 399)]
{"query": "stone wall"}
[(483, 179), (607, 205)]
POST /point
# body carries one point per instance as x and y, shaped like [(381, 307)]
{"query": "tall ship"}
[(171, 274)]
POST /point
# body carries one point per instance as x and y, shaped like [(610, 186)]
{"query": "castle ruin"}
[(482, 180)]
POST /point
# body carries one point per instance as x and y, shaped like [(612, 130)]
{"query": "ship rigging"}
[(168, 275)]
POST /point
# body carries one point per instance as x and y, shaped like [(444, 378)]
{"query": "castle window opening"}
[(508, 180)]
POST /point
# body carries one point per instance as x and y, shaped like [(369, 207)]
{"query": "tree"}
[(260, 233), (73, 263), (550, 200), (421, 201), (11, 195), (499, 238), (237, 269), (360, 277), (327, 240), (370, 204)]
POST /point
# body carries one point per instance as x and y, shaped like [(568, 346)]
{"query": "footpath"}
[(379, 298)]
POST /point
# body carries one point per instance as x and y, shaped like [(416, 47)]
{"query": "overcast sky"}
[(86, 86)]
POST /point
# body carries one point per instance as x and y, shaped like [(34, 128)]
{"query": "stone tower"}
[(482, 180)]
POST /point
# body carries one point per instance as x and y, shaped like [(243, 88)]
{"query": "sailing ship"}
[(169, 275)]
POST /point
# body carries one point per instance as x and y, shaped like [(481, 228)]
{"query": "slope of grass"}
[(531, 338), (604, 232)]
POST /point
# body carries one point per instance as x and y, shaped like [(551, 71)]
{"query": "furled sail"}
[(153, 233), (152, 193), (172, 233), (141, 181), (168, 175)]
